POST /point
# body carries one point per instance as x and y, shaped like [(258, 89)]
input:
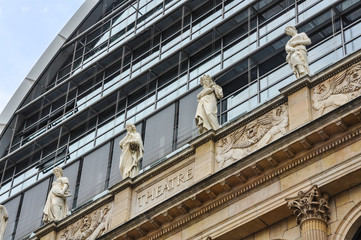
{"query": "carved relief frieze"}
[(89, 227), (252, 136), (311, 204), (337, 90)]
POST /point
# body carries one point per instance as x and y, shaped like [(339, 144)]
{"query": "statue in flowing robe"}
[(56, 207), (206, 114), (132, 151), (4, 216), (296, 52)]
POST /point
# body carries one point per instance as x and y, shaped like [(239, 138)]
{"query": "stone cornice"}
[(296, 85), (234, 192)]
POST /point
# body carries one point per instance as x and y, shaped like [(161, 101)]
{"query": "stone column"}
[(312, 211)]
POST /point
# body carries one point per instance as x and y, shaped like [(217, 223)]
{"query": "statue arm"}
[(305, 40), (5, 213), (207, 91), (289, 48)]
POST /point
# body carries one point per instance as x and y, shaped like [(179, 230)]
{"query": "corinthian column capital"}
[(310, 205)]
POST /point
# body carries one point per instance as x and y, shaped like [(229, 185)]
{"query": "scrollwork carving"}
[(310, 204), (89, 227), (253, 135), (338, 90)]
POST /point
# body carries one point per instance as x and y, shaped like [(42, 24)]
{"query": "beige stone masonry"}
[(49, 236), (205, 160), (122, 207), (299, 104)]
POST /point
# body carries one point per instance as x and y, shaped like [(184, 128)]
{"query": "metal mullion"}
[(222, 53), (110, 33), (223, 9), (103, 83), (296, 12), (73, 59), (131, 63), (191, 26), (3, 174), (163, 10), (12, 180), (188, 73), (13, 133), (126, 111), (160, 45), (156, 92), (342, 31), (57, 144), (136, 18)]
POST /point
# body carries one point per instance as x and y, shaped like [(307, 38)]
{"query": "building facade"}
[(285, 145)]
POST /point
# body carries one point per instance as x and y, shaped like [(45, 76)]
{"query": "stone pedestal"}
[(205, 158), (299, 108)]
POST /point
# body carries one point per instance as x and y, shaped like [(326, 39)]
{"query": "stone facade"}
[(290, 169)]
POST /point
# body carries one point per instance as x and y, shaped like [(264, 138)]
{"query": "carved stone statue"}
[(206, 115), (56, 207), (132, 151), (337, 90), (4, 216), (253, 136), (88, 228), (296, 51)]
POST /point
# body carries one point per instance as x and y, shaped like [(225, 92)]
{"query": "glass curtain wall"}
[(147, 56)]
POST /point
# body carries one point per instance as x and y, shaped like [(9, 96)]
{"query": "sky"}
[(27, 27)]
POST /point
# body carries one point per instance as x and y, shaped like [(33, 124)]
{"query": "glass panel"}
[(71, 172), (353, 45), (31, 210), (313, 10), (329, 45), (353, 32), (186, 124), (92, 181), (158, 135), (326, 61), (12, 207)]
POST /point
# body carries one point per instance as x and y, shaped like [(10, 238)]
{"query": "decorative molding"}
[(89, 227), (224, 200), (338, 90), (253, 136)]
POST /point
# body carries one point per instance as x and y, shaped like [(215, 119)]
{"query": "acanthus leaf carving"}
[(253, 135), (310, 204)]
